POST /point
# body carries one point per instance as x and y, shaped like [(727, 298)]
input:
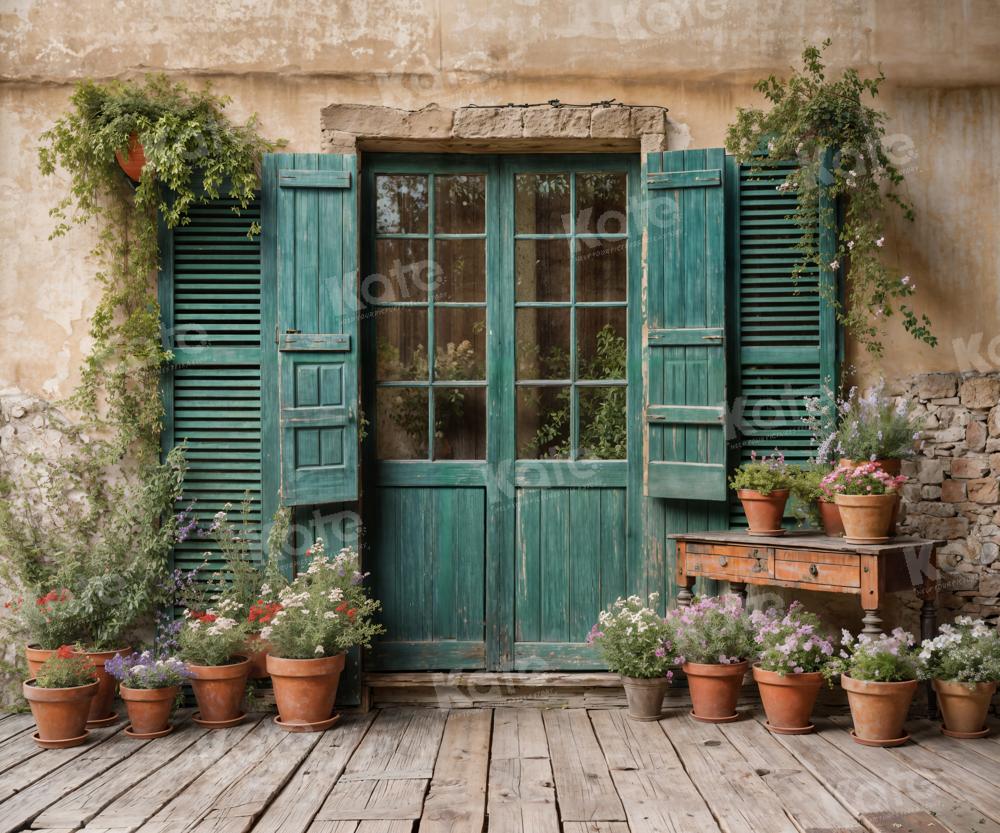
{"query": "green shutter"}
[(685, 323), (313, 198)]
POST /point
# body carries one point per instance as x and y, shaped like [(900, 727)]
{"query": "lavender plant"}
[(713, 630), (147, 671), (635, 640), (792, 641)]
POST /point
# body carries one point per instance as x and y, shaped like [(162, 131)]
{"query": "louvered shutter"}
[(685, 323), (314, 201)]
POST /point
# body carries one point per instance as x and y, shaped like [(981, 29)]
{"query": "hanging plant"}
[(836, 138)]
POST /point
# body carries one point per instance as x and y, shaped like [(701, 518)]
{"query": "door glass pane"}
[(459, 423), (401, 431), (401, 344), (459, 343), (401, 204), (543, 422), (601, 269), (542, 343), (602, 422), (542, 270), (541, 204), (460, 204), (601, 203), (461, 270), (600, 338), (401, 268)]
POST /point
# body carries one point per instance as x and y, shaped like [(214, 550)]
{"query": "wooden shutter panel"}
[(685, 344), (316, 229)]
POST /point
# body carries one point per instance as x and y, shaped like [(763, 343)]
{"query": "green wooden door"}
[(502, 405)]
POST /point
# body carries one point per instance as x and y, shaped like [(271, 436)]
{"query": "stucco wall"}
[(697, 57)]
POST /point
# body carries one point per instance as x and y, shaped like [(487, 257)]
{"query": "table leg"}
[(685, 595), (928, 629), (872, 622), (740, 589)]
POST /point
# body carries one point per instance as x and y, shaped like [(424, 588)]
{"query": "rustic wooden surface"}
[(501, 770)]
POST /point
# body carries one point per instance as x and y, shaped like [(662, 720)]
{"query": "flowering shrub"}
[(324, 611), (866, 479), (872, 426), (50, 620), (966, 652), (212, 637), (635, 640), (883, 658), (66, 669), (713, 630), (146, 671), (764, 474), (790, 642)]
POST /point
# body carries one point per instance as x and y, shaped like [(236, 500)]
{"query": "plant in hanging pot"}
[(324, 612), (867, 497), (763, 486), (714, 640), (963, 663), (149, 687), (60, 697), (210, 643), (637, 644), (793, 652), (879, 674)]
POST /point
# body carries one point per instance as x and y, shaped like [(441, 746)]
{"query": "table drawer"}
[(818, 572), (732, 566)]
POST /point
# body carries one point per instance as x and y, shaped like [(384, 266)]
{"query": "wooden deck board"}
[(456, 800)]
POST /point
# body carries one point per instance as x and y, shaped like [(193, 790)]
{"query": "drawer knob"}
[(723, 561), (813, 570)]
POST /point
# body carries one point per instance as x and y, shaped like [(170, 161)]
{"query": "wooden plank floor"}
[(505, 769)]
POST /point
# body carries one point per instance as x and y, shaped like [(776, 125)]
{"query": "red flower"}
[(341, 607), (262, 612), (202, 616), (65, 652), (350, 613)]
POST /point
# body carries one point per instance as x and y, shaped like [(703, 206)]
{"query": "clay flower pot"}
[(714, 689), (788, 699), (101, 713), (829, 515), (890, 466), (964, 707), (305, 691), (879, 710), (60, 713), (134, 161), (645, 697), (219, 690), (764, 511), (866, 518), (149, 710), (36, 656), (257, 650)]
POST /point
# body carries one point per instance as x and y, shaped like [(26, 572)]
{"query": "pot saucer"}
[(318, 726), (104, 721), (880, 540), (795, 730), (982, 733), (731, 719), (644, 719), (147, 735), (866, 742), (771, 533), (63, 743), (218, 724)]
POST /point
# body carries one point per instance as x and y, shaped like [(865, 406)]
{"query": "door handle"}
[(813, 570), (723, 561)]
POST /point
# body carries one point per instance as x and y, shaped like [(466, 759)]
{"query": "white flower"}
[(265, 632), (850, 245), (319, 650), (904, 280), (834, 264), (879, 242), (330, 614)]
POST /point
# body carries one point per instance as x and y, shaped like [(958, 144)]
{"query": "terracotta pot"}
[(788, 699), (764, 511), (219, 689), (645, 697), (60, 713), (714, 690), (829, 515), (892, 466), (964, 706), (135, 161), (36, 656), (879, 709), (101, 707), (866, 517), (149, 708), (257, 650), (305, 690)]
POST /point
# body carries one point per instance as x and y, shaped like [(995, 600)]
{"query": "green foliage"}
[(837, 140), (884, 658), (635, 640), (714, 630), (966, 652), (66, 669), (875, 427), (763, 474), (213, 636), (806, 492)]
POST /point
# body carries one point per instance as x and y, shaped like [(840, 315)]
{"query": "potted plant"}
[(60, 697), (637, 644), (963, 663), (149, 687), (48, 622), (866, 496), (323, 612), (875, 428), (714, 639), (879, 674), (812, 505), (763, 486), (793, 652), (210, 644)]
